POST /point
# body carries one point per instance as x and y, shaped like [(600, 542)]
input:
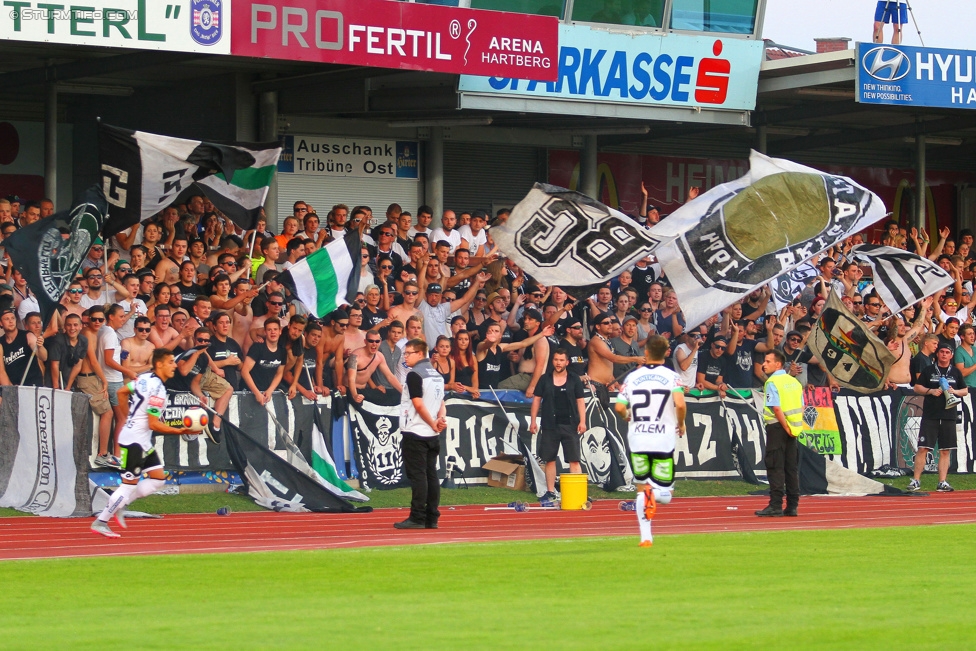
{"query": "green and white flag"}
[(324, 466), (142, 173), (329, 277)]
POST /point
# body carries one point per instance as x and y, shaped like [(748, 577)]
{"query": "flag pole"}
[(250, 254)]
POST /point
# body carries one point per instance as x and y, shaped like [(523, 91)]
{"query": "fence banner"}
[(43, 469), (873, 434)]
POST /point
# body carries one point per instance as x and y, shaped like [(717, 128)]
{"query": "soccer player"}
[(652, 400), (146, 397)]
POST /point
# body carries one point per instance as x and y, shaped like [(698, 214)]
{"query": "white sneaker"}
[(914, 485), (102, 528)]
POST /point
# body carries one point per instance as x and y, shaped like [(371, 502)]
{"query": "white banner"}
[(43, 469), (174, 26)]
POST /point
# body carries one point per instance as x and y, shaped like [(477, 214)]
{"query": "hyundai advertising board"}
[(648, 69), (915, 76)]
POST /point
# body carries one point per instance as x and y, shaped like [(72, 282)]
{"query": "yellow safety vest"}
[(791, 401)]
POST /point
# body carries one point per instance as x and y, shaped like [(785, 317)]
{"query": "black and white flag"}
[(142, 173), (565, 238), (788, 286), (742, 234), (901, 278), (50, 251)]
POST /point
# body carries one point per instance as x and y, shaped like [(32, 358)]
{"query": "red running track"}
[(30, 537)]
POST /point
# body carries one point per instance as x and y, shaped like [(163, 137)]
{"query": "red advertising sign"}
[(400, 35), (668, 178)]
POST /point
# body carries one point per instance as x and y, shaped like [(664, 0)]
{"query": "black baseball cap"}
[(946, 345), (532, 314), (434, 288)]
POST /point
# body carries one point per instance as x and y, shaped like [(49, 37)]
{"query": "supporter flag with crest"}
[(142, 173), (848, 349), (50, 251)]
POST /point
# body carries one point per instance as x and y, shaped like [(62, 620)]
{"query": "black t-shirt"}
[(221, 350), (918, 363), (16, 356), (188, 294), (266, 363), (181, 382), (67, 356), (951, 341), (738, 366), (371, 319), (642, 279), (559, 405), (578, 361), (712, 367), (308, 367), (931, 378), (490, 368)]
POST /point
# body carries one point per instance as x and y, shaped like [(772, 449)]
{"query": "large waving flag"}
[(50, 251), (714, 250), (788, 286), (329, 277), (142, 173)]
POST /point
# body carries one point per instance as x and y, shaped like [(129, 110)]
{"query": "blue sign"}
[(286, 162), (915, 76), (205, 23), (717, 72), (407, 160)]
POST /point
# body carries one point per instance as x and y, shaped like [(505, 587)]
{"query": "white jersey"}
[(653, 425), (454, 238), (424, 382), (148, 397)]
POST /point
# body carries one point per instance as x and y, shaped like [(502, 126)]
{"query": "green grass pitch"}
[(899, 588)]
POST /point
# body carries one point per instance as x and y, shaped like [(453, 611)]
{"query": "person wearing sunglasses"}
[(196, 373), (712, 364), (97, 293), (328, 376), (137, 350), (72, 299), (92, 382), (275, 310), (363, 362)]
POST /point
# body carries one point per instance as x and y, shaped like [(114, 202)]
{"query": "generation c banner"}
[(407, 36)]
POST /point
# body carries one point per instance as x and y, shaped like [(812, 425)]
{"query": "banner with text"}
[(173, 26), (597, 65), (904, 75), (402, 35), (364, 158)]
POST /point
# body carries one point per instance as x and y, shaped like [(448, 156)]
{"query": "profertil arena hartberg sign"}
[(915, 76), (647, 69), (173, 25), (401, 35)]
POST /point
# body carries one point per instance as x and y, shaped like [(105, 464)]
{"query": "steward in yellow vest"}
[(783, 414)]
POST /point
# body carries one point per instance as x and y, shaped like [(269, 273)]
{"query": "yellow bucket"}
[(572, 486)]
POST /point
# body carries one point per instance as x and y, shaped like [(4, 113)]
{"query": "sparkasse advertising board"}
[(662, 69)]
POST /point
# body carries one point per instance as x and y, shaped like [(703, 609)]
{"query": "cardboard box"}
[(506, 471)]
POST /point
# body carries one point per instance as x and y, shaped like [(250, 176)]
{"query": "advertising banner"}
[(174, 26), (915, 76), (359, 157), (400, 35), (649, 69)]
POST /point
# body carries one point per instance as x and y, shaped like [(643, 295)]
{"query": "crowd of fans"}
[(192, 282)]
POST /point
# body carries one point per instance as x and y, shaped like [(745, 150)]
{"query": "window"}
[(535, 7), (639, 13), (730, 16)]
